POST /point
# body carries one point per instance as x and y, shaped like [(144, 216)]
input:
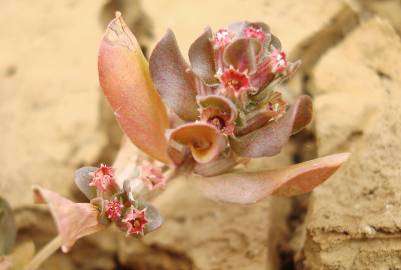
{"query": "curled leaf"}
[(82, 180), (125, 80), (201, 56), (73, 220), (221, 103), (8, 229), (242, 54), (203, 139), (250, 187), (172, 77), (269, 139)]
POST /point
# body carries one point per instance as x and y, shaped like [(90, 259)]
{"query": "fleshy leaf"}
[(222, 164), (203, 139), (8, 229), (201, 56), (82, 180), (219, 102), (153, 216), (172, 76), (250, 187), (275, 42), (73, 220), (125, 80), (269, 139), (242, 54)]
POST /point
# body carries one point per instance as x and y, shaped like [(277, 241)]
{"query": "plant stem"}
[(45, 253)]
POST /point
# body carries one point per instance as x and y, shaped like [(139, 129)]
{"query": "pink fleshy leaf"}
[(125, 80), (73, 220), (203, 139), (222, 164), (172, 76), (201, 56), (250, 187), (242, 54), (269, 139)]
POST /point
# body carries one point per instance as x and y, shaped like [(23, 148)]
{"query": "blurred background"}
[(54, 119)]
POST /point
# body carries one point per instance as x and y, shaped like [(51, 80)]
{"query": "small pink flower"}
[(222, 37), (135, 221), (252, 32), (102, 178), (152, 176), (113, 209), (278, 61), (235, 80)]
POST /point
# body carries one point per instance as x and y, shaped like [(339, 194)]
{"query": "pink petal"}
[(203, 139), (269, 139), (172, 76), (124, 78), (201, 56), (73, 220), (250, 187)]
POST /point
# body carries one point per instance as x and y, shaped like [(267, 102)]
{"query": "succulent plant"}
[(200, 120), (221, 110)]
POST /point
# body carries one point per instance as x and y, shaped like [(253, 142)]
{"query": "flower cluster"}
[(123, 206), (226, 101)]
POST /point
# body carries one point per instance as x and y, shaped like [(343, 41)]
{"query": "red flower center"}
[(135, 221), (235, 79), (102, 178)]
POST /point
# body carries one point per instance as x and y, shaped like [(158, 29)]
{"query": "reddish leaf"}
[(242, 54), (203, 139), (250, 187), (173, 78), (222, 164), (125, 80), (269, 139), (222, 103), (201, 56), (73, 220)]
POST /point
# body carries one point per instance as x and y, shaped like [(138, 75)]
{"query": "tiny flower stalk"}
[(199, 120)]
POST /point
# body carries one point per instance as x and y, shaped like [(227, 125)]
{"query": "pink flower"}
[(252, 32), (103, 178), (152, 176), (135, 221), (222, 37), (278, 61), (113, 209), (235, 80)]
